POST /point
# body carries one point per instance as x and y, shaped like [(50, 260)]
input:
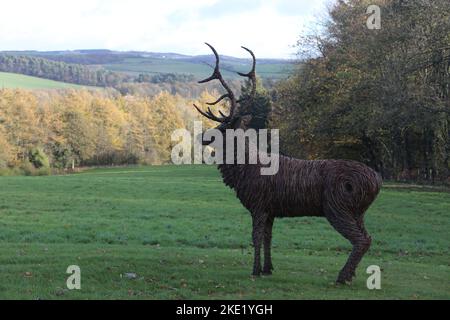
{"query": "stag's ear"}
[(243, 122)]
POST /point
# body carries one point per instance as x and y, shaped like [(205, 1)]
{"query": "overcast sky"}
[(270, 27)]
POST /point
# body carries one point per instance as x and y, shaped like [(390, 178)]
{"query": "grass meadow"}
[(199, 70), (12, 80), (186, 236)]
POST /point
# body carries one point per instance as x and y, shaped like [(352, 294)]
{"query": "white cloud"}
[(270, 28)]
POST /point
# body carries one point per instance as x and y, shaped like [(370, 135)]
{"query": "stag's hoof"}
[(267, 271), (345, 278), (256, 273), (341, 282)]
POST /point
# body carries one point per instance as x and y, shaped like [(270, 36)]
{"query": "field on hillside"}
[(186, 236), (12, 80), (135, 63), (199, 70)]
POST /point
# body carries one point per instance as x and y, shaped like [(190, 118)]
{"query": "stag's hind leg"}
[(352, 228), (268, 266)]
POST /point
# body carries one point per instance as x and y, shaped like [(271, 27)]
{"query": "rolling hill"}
[(198, 69), (133, 62), (12, 80)]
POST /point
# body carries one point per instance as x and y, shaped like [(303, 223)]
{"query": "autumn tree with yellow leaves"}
[(89, 128)]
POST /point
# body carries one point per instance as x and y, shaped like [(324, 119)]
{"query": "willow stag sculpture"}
[(341, 191)]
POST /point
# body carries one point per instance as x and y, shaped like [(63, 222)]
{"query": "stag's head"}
[(237, 119)]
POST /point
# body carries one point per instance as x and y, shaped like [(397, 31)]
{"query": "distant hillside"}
[(134, 62), (142, 73), (37, 66), (12, 80)]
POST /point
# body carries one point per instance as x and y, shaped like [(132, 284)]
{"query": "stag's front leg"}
[(268, 266), (352, 228), (258, 236)]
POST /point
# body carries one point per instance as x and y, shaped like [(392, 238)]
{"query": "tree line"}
[(41, 131), (377, 96), (82, 74), (184, 85), (60, 71)]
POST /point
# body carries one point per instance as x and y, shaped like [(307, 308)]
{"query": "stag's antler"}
[(252, 74), (217, 75)]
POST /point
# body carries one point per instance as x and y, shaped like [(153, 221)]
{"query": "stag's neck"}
[(234, 175), (238, 174)]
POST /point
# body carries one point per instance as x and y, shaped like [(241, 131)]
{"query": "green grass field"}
[(13, 80), (186, 236), (200, 71)]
